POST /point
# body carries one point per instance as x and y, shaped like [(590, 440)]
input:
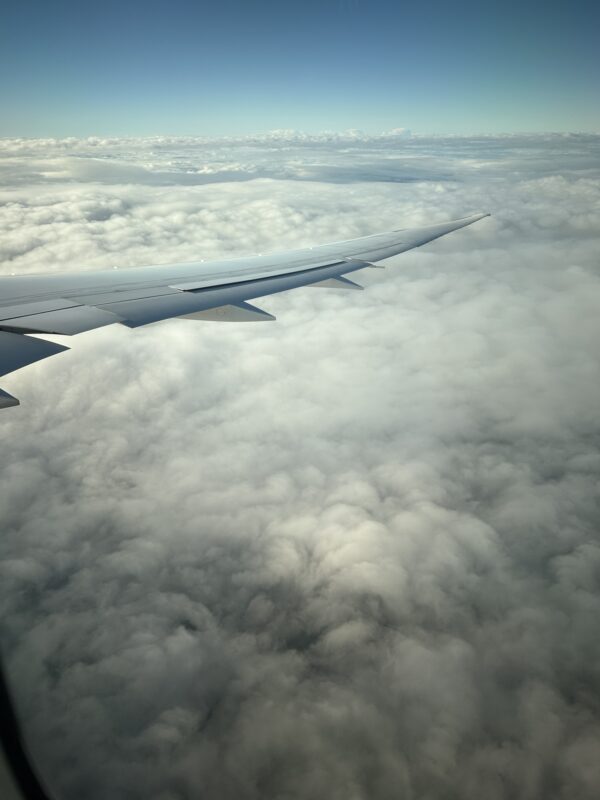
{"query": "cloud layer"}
[(351, 554)]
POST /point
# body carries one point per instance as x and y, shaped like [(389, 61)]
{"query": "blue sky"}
[(232, 68)]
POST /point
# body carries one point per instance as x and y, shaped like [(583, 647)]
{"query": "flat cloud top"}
[(353, 553)]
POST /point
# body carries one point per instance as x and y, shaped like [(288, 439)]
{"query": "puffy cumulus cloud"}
[(350, 554)]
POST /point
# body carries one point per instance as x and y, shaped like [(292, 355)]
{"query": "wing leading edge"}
[(71, 303)]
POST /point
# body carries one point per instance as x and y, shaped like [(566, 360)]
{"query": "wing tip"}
[(474, 217)]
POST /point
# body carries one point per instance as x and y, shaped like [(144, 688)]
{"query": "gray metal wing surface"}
[(70, 303)]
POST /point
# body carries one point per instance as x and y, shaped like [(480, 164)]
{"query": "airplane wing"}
[(70, 303)]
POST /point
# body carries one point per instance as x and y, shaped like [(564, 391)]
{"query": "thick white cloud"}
[(353, 553)]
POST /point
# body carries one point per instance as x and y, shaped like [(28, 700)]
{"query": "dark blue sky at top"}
[(198, 68)]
